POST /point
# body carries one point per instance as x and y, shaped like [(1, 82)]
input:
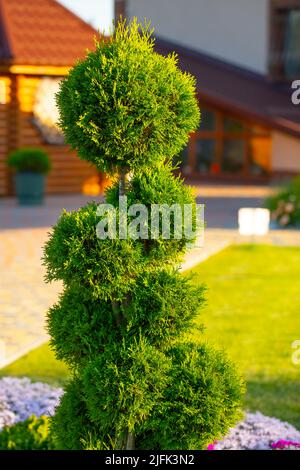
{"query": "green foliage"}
[(71, 424), (158, 186), (163, 304), (125, 305), (123, 386), (125, 105), (200, 403), (79, 327), (28, 159), (106, 268), (31, 434), (285, 205)]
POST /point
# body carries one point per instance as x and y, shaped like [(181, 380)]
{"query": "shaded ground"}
[(222, 212), (222, 205), (13, 216)]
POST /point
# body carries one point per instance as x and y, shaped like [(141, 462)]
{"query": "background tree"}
[(124, 321)]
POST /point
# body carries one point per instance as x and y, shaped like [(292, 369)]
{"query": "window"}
[(291, 54), (205, 155), (285, 39), (3, 91), (227, 145), (45, 111)]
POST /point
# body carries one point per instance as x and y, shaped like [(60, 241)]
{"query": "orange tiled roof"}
[(42, 32)]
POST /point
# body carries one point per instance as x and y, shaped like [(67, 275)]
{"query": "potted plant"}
[(31, 166)]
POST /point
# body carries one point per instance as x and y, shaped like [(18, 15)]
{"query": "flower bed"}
[(20, 399), (258, 432)]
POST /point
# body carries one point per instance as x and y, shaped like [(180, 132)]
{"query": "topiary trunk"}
[(143, 375)]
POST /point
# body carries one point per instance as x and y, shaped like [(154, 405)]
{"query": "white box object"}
[(254, 221)]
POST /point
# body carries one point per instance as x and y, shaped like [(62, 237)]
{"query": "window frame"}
[(278, 14), (220, 136)]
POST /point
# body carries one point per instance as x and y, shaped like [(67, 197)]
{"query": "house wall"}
[(236, 31), (285, 153), (68, 173)]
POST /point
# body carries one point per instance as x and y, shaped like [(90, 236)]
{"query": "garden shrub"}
[(29, 159), (124, 321), (125, 105), (158, 186), (285, 205), (31, 434)]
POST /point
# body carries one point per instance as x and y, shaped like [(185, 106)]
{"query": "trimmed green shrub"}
[(78, 325), (126, 106), (129, 378), (199, 404), (74, 254), (33, 160), (124, 321), (285, 205), (158, 186), (31, 434)]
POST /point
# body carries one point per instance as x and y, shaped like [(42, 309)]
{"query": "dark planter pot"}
[(30, 188)]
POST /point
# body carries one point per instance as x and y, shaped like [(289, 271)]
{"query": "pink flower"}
[(211, 446), (282, 444)]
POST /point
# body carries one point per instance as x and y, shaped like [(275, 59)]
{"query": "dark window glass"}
[(233, 125), (292, 44), (181, 160), (234, 156), (205, 155), (208, 120)]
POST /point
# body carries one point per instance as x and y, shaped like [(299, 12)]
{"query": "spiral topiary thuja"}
[(124, 321)]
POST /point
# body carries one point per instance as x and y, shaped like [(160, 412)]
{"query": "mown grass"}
[(253, 311), (40, 365)]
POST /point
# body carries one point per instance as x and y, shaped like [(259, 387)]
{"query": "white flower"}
[(258, 432), (20, 398)]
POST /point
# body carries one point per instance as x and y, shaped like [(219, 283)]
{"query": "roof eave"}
[(276, 123), (6, 53)]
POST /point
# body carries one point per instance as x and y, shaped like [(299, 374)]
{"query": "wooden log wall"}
[(69, 174), (5, 92)]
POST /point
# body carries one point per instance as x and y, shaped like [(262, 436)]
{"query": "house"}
[(245, 56), (39, 41)]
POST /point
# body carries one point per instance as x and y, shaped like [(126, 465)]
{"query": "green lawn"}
[(253, 311), (40, 365)]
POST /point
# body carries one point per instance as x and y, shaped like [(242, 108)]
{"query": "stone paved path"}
[(25, 298)]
